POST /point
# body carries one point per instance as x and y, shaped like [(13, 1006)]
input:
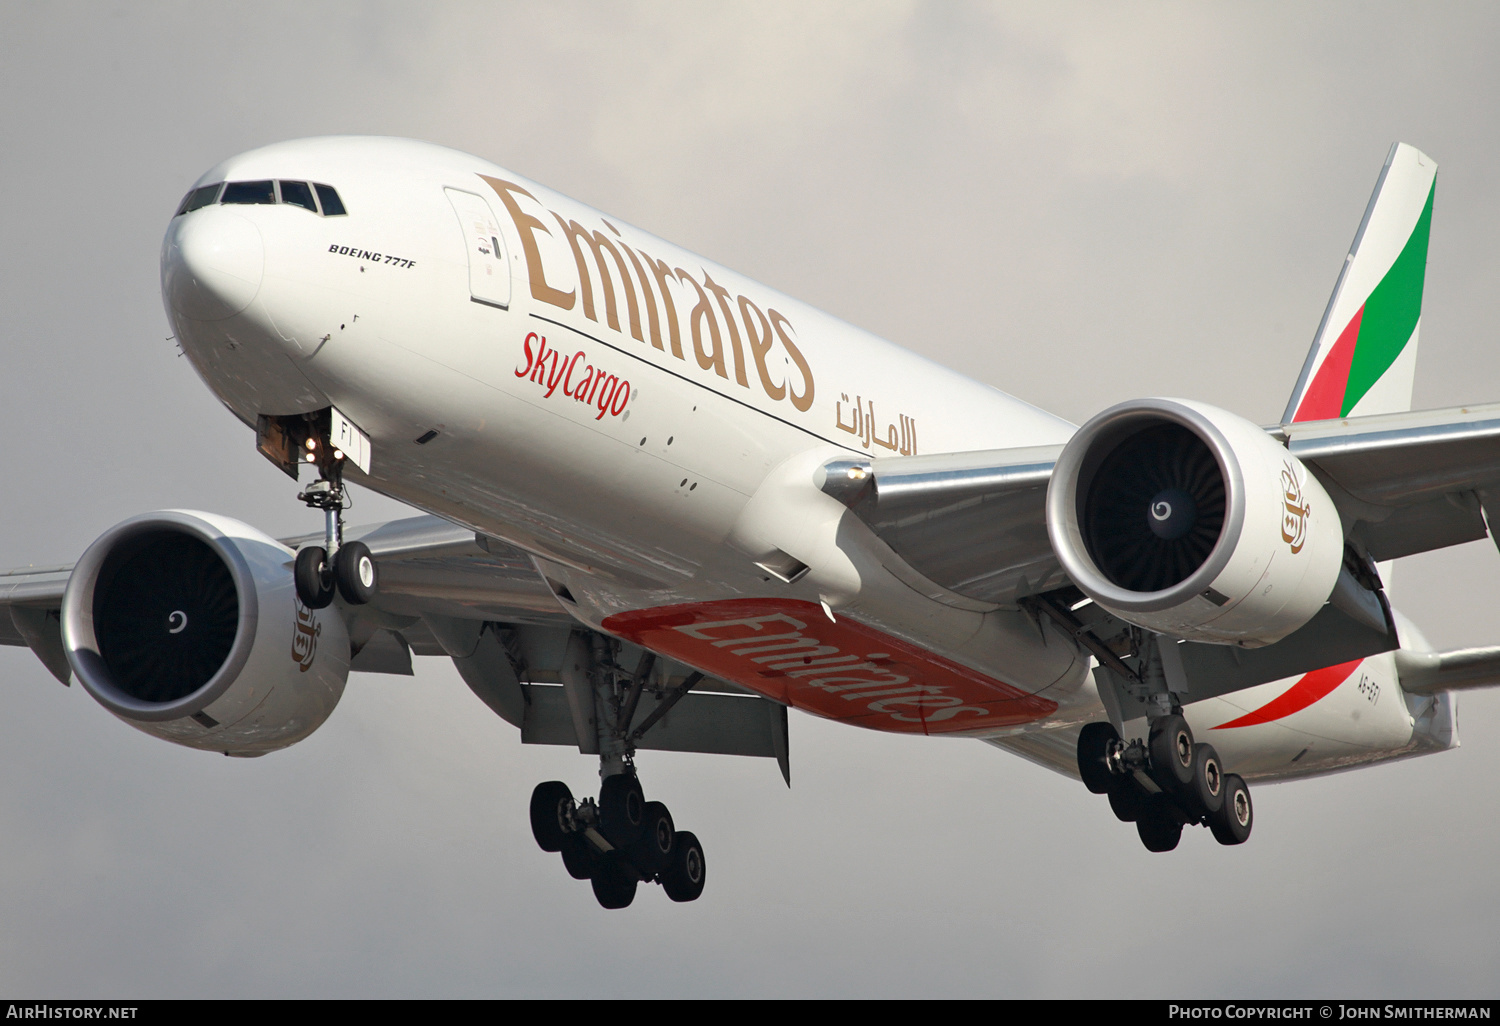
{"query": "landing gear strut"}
[(1168, 782), (619, 840), (345, 568)]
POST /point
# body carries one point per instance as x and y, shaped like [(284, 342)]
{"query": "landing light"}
[(338, 454), (311, 458), (312, 443)]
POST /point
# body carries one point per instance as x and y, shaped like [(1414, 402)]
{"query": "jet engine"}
[(187, 626), (1187, 520)]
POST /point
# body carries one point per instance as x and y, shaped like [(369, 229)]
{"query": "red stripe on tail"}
[(1324, 398)]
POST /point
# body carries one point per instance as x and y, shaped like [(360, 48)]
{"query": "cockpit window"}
[(332, 205), (249, 192), (298, 195), (199, 197)]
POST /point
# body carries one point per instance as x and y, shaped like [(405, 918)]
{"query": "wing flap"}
[(30, 598), (1450, 519), (41, 630), (715, 724)]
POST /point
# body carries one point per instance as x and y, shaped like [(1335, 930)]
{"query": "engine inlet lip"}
[(82, 644), (1074, 472)]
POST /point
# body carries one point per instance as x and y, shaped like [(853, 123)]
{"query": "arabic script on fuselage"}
[(899, 436)]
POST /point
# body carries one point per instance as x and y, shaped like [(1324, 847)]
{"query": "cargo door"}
[(489, 270)]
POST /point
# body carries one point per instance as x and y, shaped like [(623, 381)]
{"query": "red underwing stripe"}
[(1308, 689)]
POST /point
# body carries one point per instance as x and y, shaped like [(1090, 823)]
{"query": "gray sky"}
[(1077, 204)]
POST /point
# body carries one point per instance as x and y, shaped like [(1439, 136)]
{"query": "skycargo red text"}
[(578, 379)]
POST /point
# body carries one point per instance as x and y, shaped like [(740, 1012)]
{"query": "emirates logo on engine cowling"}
[(305, 637), (1294, 510)]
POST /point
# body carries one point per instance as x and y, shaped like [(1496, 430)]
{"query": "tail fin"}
[(1364, 356)]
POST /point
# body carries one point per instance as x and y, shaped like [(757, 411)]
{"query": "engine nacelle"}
[(187, 626), (1188, 520)]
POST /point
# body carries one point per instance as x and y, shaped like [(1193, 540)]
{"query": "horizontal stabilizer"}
[(1462, 669)]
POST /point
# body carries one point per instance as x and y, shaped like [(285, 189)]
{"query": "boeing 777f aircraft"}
[(665, 503)]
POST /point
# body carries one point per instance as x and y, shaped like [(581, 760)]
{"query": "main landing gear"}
[(617, 842), (336, 566), (1166, 783)]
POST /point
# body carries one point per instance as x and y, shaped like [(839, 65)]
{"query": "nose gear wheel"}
[(314, 580), (354, 573)]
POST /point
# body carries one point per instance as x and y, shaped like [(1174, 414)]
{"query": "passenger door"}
[(489, 269)]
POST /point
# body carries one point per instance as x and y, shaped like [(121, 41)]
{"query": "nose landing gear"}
[(1166, 783), (345, 568), (618, 841)]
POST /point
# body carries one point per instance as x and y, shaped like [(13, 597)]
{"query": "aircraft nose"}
[(212, 264)]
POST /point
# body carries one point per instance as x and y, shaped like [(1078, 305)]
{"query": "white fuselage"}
[(614, 406)]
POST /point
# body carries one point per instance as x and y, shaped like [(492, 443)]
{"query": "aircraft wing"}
[(445, 591), (975, 524), (1407, 482)]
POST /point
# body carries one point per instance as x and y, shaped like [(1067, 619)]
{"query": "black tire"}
[(1171, 748), (354, 570), (579, 857), (622, 810), (310, 574), (614, 883), (1206, 793), (1094, 743), (652, 852), (1235, 818), (684, 876), (1127, 801), (1159, 828), (551, 802)]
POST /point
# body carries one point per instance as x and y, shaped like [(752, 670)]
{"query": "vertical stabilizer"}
[(1364, 357)]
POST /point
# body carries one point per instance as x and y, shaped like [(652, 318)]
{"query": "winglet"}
[(1364, 357)]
